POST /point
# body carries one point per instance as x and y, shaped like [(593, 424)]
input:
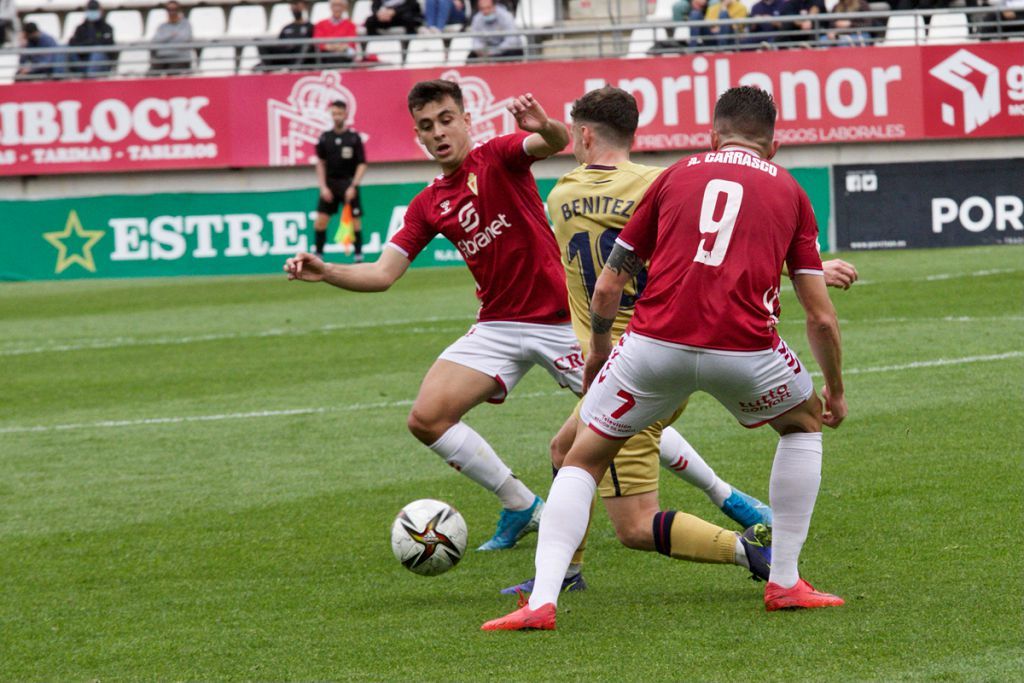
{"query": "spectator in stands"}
[(93, 31), (8, 21), (804, 26), (717, 10), (847, 32), (492, 18), (388, 14), (681, 10), (765, 33), (176, 30), (440, 13), (286, 56), (1008, 20), (338, 25), (38, 66)]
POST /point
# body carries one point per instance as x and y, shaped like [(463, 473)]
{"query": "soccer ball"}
[(429, 537)]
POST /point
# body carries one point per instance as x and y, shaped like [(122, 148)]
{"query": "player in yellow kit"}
[(589, 206)]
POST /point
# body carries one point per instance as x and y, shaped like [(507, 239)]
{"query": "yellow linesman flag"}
[(346, 235)]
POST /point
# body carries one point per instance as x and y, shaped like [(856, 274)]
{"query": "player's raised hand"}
[(839, 273), (528, 113), (306, 267), (835, 408)]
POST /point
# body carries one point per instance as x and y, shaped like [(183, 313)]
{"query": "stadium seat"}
[(948, 29), (47, 23), (207, 22), (642, 39), (72, 20), (535, 13), (458, 50), (218, 60), (904, 29), (320, 11), (127, 25), (246, 21), (425, 52), (361, 10), (280, 16), (133, 63), (662, 10), (33, 5), (8, 66), (386, 51), (249, 60), (156, 16)]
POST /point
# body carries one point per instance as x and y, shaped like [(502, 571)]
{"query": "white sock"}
[(562, 526), (740, 554), (466, 451), (796, 476), (682, 460)]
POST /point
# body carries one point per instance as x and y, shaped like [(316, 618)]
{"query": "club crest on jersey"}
[(446, 206), (471, 183)]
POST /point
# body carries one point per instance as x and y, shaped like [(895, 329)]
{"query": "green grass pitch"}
[(198, 476)]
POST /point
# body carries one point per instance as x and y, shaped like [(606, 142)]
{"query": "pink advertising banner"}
[(824, 97)]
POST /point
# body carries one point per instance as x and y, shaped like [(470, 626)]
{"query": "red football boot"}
[(524, 618), (800, 596)]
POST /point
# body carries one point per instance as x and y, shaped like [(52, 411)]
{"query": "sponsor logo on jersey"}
[(964, 71), (295, 125), (767, 401), (484, 237), (469, 219)]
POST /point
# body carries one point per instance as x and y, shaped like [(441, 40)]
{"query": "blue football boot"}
[(757, 543), (513, 525), (746, 510), (570, 584)]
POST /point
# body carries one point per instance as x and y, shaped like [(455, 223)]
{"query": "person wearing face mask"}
[(288, 56), (93, 31), (494, 18), (38, 66)]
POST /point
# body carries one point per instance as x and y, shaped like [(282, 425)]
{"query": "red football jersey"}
[(491, 211), (717, 227)]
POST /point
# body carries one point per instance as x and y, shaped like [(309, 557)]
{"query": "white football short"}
[(646, 380), (507, 350)]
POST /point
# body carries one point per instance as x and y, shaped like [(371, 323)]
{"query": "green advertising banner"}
[(216, 234)]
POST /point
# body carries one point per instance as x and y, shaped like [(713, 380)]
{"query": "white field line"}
[(106, 424), (121, 342), (942, 276)]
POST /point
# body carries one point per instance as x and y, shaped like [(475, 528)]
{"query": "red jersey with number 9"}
[(717, 228), (491, 211)]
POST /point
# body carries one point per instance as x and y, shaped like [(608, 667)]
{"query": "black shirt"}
[(341, 152)]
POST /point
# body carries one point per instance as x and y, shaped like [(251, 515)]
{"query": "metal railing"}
[(229, 56)]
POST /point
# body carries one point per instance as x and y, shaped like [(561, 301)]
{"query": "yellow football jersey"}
[(589, 206)]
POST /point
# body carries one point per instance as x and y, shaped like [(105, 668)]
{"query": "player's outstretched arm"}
[(823, 336), (359, 277), (550, 136)]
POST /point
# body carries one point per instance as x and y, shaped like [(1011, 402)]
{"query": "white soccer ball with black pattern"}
[(429, 537)]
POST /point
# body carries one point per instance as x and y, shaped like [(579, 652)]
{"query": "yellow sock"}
[(577, 557), (690, 538)]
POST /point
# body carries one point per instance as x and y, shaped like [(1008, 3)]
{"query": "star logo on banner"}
[(74, 244)]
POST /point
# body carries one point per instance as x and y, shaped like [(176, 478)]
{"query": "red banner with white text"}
[(843, 95)]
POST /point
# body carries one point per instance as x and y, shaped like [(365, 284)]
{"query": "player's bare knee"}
[(557, 454), (424, 427), (634, 535), (806, 418)]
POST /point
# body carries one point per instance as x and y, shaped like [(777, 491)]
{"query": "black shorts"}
[(338, 186)]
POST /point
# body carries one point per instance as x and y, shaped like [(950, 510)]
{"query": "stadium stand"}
[(948, 29), (127, 25), (247, 21)]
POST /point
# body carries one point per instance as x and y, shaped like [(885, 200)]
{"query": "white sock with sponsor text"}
[(682, 460), (468, 452), (562, 526), (796, 476)]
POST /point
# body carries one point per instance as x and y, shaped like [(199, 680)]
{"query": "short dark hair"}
[(425, 92), (340, 103), (612, 111), (748, 112), (29, 27)]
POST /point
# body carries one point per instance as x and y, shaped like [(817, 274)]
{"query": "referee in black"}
[(340, 165)]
